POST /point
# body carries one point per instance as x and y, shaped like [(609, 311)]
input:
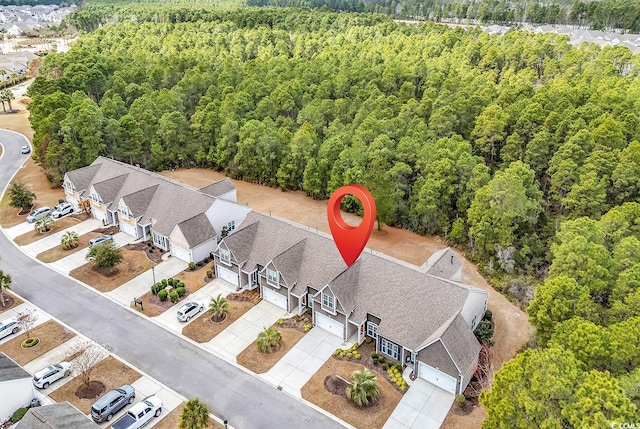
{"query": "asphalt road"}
[(246, 401)]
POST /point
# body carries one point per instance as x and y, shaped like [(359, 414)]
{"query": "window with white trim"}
[(68, 185), (328, 302), (389, 348), (95, 197), (225, 255), (158, 239), (272, 277), (231, 226), (124, 211), (372, 330)]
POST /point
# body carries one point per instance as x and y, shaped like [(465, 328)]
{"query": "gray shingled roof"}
[(9, 370), (82, 177), (219, 188), (197, 230), (56, 416), (444, 263), (412, 305), (240, 242), (461, 343), (138, 202), (171, 204), (108, 189), (288, 263)]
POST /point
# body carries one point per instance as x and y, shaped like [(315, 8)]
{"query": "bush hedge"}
[(162, 295)]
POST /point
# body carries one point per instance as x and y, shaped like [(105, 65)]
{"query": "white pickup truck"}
[(139, 414)]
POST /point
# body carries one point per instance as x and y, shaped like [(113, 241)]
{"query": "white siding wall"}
[(202, 251), (222, 212), (474, 306), (15, 394)]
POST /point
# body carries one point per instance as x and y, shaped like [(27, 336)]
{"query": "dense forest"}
[(521, 149), (598, 15)]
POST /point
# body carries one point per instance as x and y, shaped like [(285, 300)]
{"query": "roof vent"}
[(138, 166)]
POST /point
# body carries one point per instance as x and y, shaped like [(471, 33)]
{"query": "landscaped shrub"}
[(349, 354), (164, 283), (357, 355), (18, 414), (209, 274), (180, 284), (375, 360), (280, 321), (173, 296), (381, 359), (399, 367), (180, 292), (384, 366), (171, 282), (156, 288), (488, 315), (374, 355), (192, 266), (162, 295), (308, 327), (396, 376)]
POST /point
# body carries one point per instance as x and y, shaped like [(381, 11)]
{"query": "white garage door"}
[(328, 324), (99, 214), (437, 377), (227, 275), (128, 229), (274, 297), (180, 253)]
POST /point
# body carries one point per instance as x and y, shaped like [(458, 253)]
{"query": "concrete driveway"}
[(424, 406), (305, 358), (53, 240), (236, 337)]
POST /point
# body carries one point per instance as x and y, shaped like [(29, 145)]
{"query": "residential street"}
[(246, 401)]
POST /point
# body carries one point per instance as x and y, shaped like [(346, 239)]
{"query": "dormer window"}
[(124, 211), (95, 197), (68, 185), (225, 255), (272, 277), (328, 302)]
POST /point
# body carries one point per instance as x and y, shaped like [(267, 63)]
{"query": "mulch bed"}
[(203, 329), (337, 385), (10, 301), (252, 296), (258, 362), (111, 230), (92, 391), (153, 253)]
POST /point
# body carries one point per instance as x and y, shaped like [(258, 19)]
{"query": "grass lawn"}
[(51, 335), (134, 263), (57, 253), (203, 329), (251, 358)]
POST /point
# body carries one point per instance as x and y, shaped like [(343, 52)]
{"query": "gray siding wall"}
[(436, 356)]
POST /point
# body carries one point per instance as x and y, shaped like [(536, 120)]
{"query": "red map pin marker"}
[(350, 240)]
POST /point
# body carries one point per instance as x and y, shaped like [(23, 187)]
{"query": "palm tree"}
[(218, 308), (269, 340), (363, 388), (195, 415), (5, 284), (7, 95), (44, 224), (70, 240)]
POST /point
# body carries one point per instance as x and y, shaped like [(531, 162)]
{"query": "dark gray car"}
[(112, 402)]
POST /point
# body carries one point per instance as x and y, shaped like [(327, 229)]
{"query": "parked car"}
[(8, 327), (140, 414), (38, 213), (25, 150), (112, 402), (188, 310), (43, 378), (100, 239), (62, 209)]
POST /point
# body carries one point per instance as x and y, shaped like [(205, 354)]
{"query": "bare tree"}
[(91, 355), (483, 376), (26, 320)]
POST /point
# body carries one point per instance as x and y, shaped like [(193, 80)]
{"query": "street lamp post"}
[(225, 424), (153, 271)]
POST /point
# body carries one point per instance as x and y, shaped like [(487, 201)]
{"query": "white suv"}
[(43, 378), (38, 213), (62, 209), (8, 327), (190, 309)]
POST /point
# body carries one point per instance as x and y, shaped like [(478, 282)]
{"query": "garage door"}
[(437, 377), (99, 214), (328, 324), (180, 253), (227, 275), (128, 229), (274, 297)]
